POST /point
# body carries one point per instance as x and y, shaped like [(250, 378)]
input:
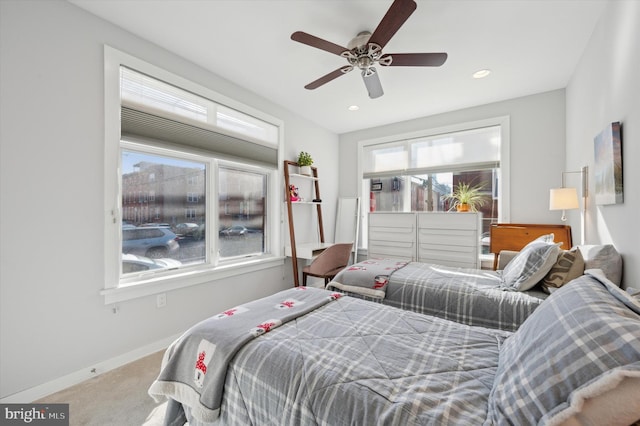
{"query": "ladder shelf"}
[(306, 250)]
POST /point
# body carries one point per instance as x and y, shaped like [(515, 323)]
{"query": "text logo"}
[(35, 414)]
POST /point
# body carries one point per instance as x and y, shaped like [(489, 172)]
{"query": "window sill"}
[(189, 278)]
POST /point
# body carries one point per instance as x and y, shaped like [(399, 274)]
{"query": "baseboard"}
[(56, 385)]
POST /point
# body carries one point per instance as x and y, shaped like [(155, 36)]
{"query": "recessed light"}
[(481, 73), (354, 108)]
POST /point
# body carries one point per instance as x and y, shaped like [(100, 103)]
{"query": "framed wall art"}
[(608, 165)]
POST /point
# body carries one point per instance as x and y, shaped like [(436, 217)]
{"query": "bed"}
[(309, 356), (467, 296), (498, 299)]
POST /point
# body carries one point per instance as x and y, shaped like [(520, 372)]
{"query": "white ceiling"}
[(531, 46)]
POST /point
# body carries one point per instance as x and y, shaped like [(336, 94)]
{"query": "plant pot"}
[(305, 170), (462, 207)]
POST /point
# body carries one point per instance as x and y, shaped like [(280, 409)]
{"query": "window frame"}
[(503, 182), (117, 290)]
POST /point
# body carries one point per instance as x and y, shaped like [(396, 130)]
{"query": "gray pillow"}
[(530, 265), (581, 342), (604, 257)]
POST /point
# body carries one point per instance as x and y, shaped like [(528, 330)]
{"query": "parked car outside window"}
[(134, 263), (235, 231), (185, 228), (150, 242)]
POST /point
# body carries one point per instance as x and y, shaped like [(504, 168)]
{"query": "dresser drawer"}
[(463, 257), (404, 251), (388, 233), (394, 220), (448, 237), (448, 220)]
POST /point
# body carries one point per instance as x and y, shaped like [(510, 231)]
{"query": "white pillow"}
[(610, 400), (548, 238), (530, 265)]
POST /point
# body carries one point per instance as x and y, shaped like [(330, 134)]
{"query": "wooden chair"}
[(328, 263)]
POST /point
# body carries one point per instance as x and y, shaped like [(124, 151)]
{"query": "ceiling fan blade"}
[(397, 14), (372, 81), (414, 59), (327, 78), (318, 43)]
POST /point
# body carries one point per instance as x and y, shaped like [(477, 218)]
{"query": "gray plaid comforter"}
[(194, 367), (468, 296), (353, 361)]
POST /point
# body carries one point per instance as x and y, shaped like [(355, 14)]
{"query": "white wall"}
[(306, 229), (605, 88), (537, 136), (54, 326)]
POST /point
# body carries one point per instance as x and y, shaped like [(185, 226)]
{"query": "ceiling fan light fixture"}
[(365, 50), (481, 73), (359, 41)]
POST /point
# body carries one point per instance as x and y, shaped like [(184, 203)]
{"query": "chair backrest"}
[(333, 257)]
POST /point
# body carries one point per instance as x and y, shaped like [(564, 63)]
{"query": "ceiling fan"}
[(365, 50)]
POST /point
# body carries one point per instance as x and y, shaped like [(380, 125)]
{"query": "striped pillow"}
[(572, 342), (530, 265)]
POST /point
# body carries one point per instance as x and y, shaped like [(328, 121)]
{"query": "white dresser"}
[(444, 238), (451, 239), (392, 235)]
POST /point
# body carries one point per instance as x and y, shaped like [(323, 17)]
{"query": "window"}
[(417, 172), (241, 203), (172, 173), (172, 149)]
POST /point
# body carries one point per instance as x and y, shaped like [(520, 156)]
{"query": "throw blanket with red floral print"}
[(194, 367), (367, 278)]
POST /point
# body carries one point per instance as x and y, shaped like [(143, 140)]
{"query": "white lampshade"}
[(563, 199)]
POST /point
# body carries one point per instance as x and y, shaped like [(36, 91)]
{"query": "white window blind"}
[(388, 157), (154, 109), (459, 151)]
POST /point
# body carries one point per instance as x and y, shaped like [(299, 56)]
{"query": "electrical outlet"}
[(161, 300)]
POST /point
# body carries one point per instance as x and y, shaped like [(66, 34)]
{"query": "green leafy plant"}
[(304, 159), (466, 195)]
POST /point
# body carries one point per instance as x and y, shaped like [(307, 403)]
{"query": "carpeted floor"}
[(118, 397)]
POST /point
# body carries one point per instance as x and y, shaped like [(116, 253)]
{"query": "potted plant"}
[(304, 163), (467, 198)]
